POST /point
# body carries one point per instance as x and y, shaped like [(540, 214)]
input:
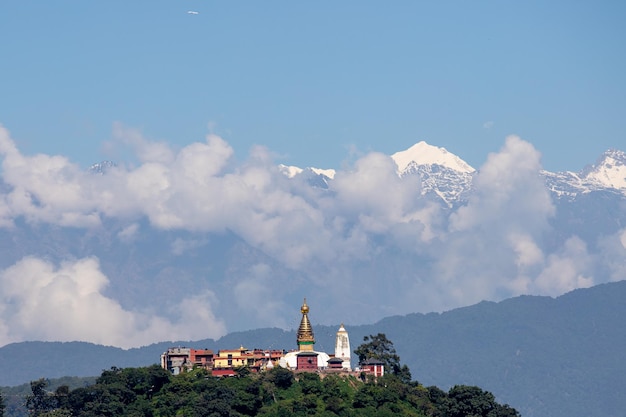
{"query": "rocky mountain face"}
[(608, 173), (442, 174), (448, 179)]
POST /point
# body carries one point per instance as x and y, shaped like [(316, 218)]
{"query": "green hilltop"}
[(153, 391)]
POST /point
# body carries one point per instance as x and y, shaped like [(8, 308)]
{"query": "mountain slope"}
[(424, 154), (447, 178), (608, 173), (241, 243), (544, 356)]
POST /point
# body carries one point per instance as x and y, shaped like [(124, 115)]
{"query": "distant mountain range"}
[(547, 357), (445, 176), (165, 244)]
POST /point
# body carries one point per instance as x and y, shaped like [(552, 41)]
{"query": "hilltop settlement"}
[(226, 362), (257, 382)]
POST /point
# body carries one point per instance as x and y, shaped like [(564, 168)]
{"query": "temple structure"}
[(305, 358), (306, 339), (342, 347)]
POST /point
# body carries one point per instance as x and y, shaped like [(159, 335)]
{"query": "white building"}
[(342, 347)]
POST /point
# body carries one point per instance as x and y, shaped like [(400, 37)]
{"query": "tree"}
[(242, 371), (282, 378), (61, 395), (2, 405), (466, 400), (41, 400), (381, 348)]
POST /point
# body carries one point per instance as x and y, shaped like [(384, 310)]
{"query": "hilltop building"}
[(180, 359), (223, 363), (342, 347), (226, 361), (373, 366), (305, 359)]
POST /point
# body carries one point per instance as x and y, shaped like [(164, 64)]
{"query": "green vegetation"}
[(577, 339), (380, 348), (15, 397), (153, 392)]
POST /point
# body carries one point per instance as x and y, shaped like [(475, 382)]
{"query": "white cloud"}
[(612, 255), (527, 251), (255, 296), (492, 248), (128, 233), (371, 237), (66, 303), (145, 150), (509, 193), (180, 246), (567, 270)]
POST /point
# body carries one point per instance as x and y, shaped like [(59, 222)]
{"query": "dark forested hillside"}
[(152, 391), (545, 357)]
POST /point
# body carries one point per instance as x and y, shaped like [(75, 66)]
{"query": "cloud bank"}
[(42, 301), (241, 243)]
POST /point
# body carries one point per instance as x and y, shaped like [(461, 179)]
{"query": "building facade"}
[(181, 359), (342, 347), (305, 359)]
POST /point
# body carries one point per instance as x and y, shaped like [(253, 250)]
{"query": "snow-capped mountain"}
[(448, 179), (424, 154), (313, 176), (102, 168), (608, 173), (224, 242), (442, 173), (291, 171)]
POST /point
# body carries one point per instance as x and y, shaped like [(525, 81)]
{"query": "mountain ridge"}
[(424, 154), (365, 234), (511, 348), (448, 177)]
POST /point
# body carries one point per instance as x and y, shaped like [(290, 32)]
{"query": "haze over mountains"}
[(545, 356), (191, 243)]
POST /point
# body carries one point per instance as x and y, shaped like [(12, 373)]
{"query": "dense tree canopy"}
[(380, 348), (153, 392), (40, 401)]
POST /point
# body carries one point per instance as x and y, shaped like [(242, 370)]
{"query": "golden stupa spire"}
[(306, 340)]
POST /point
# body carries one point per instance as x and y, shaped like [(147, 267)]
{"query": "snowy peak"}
[(291, 171), (609, 171), (446, 177), (424, 154), (102, 168), (443, 175)]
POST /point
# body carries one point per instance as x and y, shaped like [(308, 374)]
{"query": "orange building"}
[(227, 360)]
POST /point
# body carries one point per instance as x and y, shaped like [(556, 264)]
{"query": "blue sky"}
[(317, 83)]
